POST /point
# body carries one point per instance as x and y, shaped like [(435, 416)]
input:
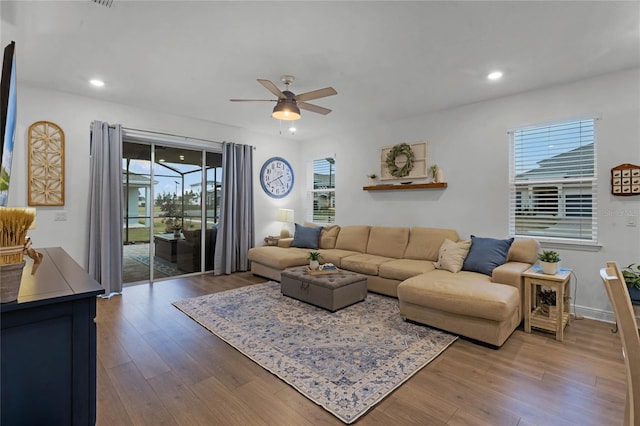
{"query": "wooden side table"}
[(534, 279)]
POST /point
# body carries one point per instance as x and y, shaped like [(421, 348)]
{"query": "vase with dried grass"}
[(14, 244)]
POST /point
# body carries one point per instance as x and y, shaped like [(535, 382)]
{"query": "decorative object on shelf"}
[(547, 302), (372, 179), (409, 182), (549, 261), (631, 276), (14, 244), (404, 160), (314, 260), (45, 164), (276, 177), (285, 216), (625, 180)]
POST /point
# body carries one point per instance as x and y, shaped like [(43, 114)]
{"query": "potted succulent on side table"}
[(631, 276), (372, 179), (314, 260), (549, 261)]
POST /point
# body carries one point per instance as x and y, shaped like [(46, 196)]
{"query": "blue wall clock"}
[(276, 177)]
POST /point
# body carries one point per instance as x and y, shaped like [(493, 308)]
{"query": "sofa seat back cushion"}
[(328, 235), (424, 243), (486, 254), (335, 256), (388, 241), (306, 237), (525, 251), (464, 293), (278, 257), (364, 263), (401, 269), (353, 238)]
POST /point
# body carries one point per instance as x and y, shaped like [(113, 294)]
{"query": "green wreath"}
[(400, 149)]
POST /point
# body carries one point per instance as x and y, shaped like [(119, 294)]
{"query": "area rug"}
[(345, 361)]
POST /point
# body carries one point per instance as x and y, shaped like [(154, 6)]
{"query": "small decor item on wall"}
[(45, 164), (372, 179), (625, 180), (404, 160), (276, 177)]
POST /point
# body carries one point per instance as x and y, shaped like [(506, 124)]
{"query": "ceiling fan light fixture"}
[(286, 110)]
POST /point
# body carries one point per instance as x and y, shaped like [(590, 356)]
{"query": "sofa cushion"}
[(525, 251), (401, 269), (388, 241), (353, 238), (328, 235), (364, 263), (335, 256), (465, 293), (452, 255), (486, 254), (424, 243), (306, 236), (278, 257)]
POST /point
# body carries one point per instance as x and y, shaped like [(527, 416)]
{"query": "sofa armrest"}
[(285, 242), (510, 273)]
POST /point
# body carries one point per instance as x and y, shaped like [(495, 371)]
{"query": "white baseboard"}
[(602, 315)]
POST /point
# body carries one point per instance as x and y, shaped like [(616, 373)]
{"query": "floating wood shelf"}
[(394, 187)]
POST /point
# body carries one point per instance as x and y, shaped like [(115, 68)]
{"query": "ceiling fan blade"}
[(316, 94), (272, 88), (314, 108), (253, 100)]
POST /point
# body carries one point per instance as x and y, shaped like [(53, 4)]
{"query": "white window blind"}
[(553, 182), (322, 207)]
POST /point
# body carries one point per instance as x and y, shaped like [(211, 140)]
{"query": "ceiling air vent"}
[(106, 3)]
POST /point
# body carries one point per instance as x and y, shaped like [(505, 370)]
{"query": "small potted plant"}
[(372, 179), (549, 261), (314, 260), (547, 302), (631, 276)]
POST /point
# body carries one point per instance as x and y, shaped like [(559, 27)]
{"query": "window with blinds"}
[(322, 193), (553, 182)]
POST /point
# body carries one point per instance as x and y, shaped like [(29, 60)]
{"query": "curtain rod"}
[(111, 126)]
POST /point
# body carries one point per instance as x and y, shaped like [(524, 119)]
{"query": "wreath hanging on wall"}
[(397, 150)]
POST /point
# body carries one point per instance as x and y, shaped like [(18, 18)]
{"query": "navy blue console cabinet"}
[(48, 346)]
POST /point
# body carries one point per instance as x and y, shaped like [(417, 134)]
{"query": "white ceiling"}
[(387, 60)]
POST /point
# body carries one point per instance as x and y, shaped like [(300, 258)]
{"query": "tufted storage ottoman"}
[(331, 291)]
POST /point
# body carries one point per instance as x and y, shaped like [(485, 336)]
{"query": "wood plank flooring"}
[(156, 366)]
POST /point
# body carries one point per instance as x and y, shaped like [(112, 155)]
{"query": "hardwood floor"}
[(156, 366)]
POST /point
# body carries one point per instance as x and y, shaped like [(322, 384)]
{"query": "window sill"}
[(547, 243)]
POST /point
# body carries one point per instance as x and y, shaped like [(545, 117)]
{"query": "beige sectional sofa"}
[(401, 262)]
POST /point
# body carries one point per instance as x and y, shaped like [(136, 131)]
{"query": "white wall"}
[(471, 144), (74, 115)]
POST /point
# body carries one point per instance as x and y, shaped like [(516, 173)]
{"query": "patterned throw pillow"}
[(452, 255)]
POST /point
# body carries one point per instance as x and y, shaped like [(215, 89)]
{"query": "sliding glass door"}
[(170, 222)]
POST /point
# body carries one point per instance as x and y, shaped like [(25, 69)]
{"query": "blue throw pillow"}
[(306, 236), (486, 254)]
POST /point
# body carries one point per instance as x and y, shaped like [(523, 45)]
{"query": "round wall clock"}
[(276, 177)]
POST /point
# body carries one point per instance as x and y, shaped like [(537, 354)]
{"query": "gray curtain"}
[(236, 227), (105, 207)]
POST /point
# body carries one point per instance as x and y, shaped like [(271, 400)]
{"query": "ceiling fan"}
[(288, 103)]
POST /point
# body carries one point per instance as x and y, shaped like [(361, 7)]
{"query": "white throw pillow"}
[(452, 255)]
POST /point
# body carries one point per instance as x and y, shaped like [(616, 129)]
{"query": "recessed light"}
[(495, 75), (292, 129), (96, 82)]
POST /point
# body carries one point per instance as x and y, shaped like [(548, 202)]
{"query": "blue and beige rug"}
[(346, 361)]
